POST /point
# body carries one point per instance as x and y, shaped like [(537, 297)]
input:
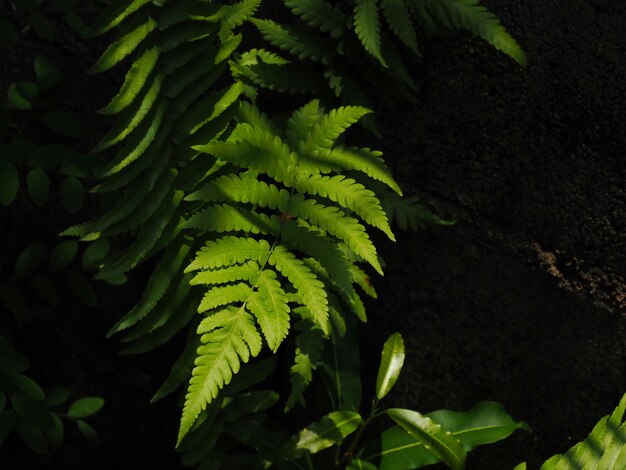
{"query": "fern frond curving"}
[(319, 14), (367, 27)]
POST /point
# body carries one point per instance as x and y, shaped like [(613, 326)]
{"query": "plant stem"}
[(371, 416)]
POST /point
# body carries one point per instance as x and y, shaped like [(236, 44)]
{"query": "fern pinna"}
[(358, 39), (285, 232)]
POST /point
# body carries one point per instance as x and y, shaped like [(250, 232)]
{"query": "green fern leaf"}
[(334, 221), (235, 15), (397, 15), (229, 337), (319, 14), (244, 272), (229, 250), (114, 14), (300, 125), (367, 27), (132, 116), (472, 16), (360, 159), (298, 42), (309, 287), (334, 124), (269, 306), (309, 346), (244, 188), (146, 238), (134, 81), (319, 246), (227, 218), (254, 117), (224, 295), (169, 265), (349, 194), (123, 46)]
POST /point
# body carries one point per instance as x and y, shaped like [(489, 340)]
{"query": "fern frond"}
[(359, 159), (309, 287), (227, 218), (114, 14), (122, 47), (134, 81), (397, 15), (309, 346), (229, 250), (350, 194), (253, 116), (229, 338), (473, 17), (235, 15), (332, 125), (336, 222), (224, 295), (301, 123), (243, 272), (367, 27), (319, 14), (270, 307), (298, 42)]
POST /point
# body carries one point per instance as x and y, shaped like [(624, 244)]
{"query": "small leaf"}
[(330, 430), (88, 431), (95, 253), (85, 407), (72, 194), (444, 444), (48, 75), (21, 95), (81, 288), (63, 254), (521, 466), (56, 396), (390, 364), (64, 123), (9, 183), (55, 435), (20, 384), (29, 260), (38, 185)]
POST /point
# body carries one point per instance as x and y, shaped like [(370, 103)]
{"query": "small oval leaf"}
[(63, 254), (392, 359), (22, 95), (38, 185), (9, 183), (29, 260), (72, 194), (95, 253), (85, 407), (88, 431)]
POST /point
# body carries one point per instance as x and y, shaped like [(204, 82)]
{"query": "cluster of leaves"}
[(604, 448), (269, 215), (25, 406)]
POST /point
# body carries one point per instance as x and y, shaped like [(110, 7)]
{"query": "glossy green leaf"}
[(72, 194), (48, 74), (9, 183), (330, 430), (22, 95), (29, 260), (88, 431), (85, 407), (447, 447), (521, 466), (95, 253), (392, 359), (360, 464), (63, 254), (38, 185)]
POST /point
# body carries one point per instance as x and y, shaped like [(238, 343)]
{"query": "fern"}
[(299, 214)]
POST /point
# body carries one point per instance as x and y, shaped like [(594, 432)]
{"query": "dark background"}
[(520, 302)]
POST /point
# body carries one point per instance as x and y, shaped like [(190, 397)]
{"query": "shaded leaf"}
[(29, 259), (63, 254), (9, 183), (38, 185), (72, 194)]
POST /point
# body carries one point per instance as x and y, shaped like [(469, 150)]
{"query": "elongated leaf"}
[(329, 431), (85, 407), (447, 447), (392, 359), (115, 13)]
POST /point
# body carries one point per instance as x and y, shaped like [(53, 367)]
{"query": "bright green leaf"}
[(392, 359), (85, 407)]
